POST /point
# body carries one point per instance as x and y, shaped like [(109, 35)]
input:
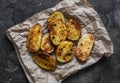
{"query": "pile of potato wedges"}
[(59, 40)]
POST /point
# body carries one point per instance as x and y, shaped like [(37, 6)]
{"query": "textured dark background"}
[(107, 70)]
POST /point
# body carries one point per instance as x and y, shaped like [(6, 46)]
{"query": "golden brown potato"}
[(34, 38), (65, 51), (55, 17), (46, 44), (44, 60), (84, 47), (59, 33), (74, 29)]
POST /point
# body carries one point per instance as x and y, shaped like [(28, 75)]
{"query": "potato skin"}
[(34, 38), (46, 44), (59, 33), (56, 16), (65, 51), (74, 29), (84, 47), (44, 60)]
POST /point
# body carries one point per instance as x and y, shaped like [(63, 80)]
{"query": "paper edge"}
[(19, 58), (30, 79)]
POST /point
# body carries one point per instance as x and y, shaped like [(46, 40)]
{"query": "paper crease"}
[(80, 10)]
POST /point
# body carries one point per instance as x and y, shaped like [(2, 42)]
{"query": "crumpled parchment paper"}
[(91, 23)]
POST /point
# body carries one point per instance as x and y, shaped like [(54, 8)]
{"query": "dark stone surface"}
[(107, 70)]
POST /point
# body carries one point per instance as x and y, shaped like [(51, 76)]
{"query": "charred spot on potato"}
[(81, 44), (68, 54), (91, 38)]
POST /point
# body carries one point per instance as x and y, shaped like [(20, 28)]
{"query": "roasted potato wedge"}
[(65, 51), (84, 47), (34, 38), (74, 29), (55, 17), (46, 44), (44, 60), (59, 33)]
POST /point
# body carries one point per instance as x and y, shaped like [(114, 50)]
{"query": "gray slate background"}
[(107, 70)]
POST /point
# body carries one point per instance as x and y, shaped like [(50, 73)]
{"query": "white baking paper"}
[(91, 23)]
